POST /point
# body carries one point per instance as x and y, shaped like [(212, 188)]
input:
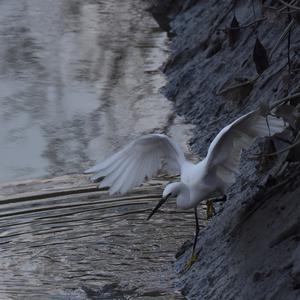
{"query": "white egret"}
[(142, 158)]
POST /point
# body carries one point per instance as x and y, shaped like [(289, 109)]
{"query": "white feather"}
[(142, 159), (223, 157), (139, 160)]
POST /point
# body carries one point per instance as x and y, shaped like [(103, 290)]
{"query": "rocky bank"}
[(228, 57)]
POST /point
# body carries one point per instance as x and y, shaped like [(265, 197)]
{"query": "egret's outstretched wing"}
[(224, 152), (139, 160)]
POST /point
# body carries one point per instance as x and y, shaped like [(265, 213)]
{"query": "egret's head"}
[(172, 189), (175, 189)]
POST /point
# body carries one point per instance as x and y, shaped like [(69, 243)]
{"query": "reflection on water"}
[(77, 79)]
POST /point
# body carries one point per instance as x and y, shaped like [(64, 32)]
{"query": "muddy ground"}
[(250, 249)]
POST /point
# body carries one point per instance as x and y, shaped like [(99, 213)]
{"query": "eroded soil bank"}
[(250, 249)]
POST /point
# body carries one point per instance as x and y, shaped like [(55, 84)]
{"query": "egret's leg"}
[(197, 229), (193, 257)]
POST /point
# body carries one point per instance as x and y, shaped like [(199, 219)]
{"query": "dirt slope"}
[(251, 249)]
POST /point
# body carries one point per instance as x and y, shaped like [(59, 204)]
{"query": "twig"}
[(268, 125), (280, 151), (274, 153), (282, 9), (282, 37), (246, 25), (221, 20), (283, 140), (284, 100), (289, 43), (280, 184), (233, 87), (289, 12), (253, 9), (289, 5)]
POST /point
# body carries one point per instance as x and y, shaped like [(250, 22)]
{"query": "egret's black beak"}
[(159, 204)]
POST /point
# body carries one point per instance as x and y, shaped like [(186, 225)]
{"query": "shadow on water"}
[(78, 79)]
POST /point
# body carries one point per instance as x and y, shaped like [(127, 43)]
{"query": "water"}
[(83, 246), (78, 79)]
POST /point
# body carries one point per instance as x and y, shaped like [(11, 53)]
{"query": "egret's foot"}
[(210, 210), (190, 262)]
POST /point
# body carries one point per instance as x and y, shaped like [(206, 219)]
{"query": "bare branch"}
[(246, 25), (282, 37), (289, 5), (280, 151), (284, 100), (275, 153)]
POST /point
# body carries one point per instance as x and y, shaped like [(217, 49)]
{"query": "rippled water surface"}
[(84, 244), (78, 78)]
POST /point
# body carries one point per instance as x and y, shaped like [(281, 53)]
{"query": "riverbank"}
[(251, 249)]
